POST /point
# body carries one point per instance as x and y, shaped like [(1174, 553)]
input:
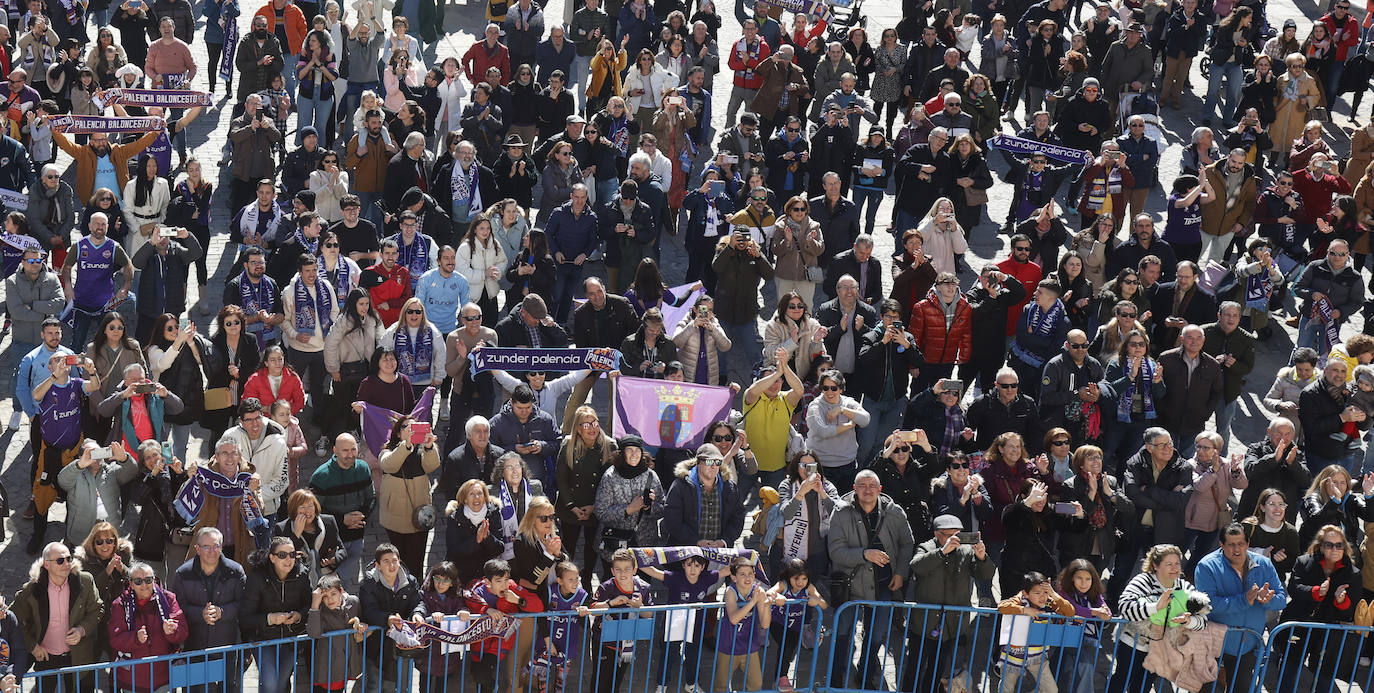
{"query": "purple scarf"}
[(309, 311), (130, 602), (1043, 321), (414, 359), (1147, 400)]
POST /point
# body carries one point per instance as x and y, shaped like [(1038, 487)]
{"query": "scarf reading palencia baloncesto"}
[(312, 311)]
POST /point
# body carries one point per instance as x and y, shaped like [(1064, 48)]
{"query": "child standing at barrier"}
[(685, 628), (794, 584), (1081, 586), (747, 616), (561, 641), (1019, 657), (623, 591), (497, 595), (332, 609)]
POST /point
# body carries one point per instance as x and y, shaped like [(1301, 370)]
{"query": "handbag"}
[(423, 516), (218, 398), (613, 539), (353, 370), (815, 274), (975, 197)]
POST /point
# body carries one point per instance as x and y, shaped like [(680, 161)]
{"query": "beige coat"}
[(1217, 220), (794, 256), (343, 345), (1361, 153), (1290, 116), (399, 497), (688, 340), (776, 333)]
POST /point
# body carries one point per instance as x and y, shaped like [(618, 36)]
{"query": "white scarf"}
[(249, 223), (794, 529), (474, 516)]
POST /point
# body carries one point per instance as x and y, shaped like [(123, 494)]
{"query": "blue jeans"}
[(581, 68), (371, 211), (874, 198), (1226, 412), (773, 478), (352, 564), (905, 220), (101, 18), (886, 416), (745, 348), (1351, 462), (1121, 441), (1234, 76), (569, 277), (275, 666), (879, 624), (1334, 70), (680, 662), (606, 189), (17, 352), (288, 71), (81, 330), (181, 439), (313, 112)]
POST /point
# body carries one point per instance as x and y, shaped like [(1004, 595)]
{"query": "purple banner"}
[(108, 124), (167, 98), (668, 414), (376, 422), (231, 44)]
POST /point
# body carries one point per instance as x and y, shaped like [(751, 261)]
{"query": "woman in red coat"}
[(146, 621), (276, 380), (943, 346)]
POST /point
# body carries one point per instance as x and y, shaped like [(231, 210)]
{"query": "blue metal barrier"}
[(694, 648)]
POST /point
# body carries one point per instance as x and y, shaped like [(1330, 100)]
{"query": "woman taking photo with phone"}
[(404, 499)]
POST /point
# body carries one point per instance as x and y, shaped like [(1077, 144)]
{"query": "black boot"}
[(40, 531)]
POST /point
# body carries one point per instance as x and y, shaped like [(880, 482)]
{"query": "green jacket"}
[(583, 22), (945, 579), (84, 610)]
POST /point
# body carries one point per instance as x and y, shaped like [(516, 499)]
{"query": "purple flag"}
[(668, 414), (673, 315), (231, 45), (375, 422)]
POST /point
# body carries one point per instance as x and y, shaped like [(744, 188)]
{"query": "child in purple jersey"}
[(747, 616), (560, 643), (690, 585), (794, 584), (623, 591)]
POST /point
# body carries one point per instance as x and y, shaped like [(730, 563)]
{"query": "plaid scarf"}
[(954, 427)]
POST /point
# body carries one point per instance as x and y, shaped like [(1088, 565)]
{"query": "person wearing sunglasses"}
[(787, 155), (1318, 592), (905, 466), (106, 557), (32, 294), (56, 637), (419, 346), (687, 521), (1070, 394), (276, 600), (146, 621)]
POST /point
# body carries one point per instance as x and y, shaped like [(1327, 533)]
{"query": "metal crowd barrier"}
[(861, 646)]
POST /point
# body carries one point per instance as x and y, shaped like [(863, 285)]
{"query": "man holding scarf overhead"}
[(311, 308), (1040, 333)]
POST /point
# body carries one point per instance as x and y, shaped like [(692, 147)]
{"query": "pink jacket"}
[(1187, 658)]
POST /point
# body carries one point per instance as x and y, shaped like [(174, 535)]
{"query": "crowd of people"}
[(394, 207)]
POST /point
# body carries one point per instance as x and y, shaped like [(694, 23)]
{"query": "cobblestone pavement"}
[(463, 24)]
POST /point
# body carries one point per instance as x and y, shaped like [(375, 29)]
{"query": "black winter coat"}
[(1159, 496), (187, 378), (1077, 111), (1264, 470), (876, 361), (1307, 575), (1030, 539), (264, 594), (1117, 514), (910, 487), (462, 547), (1349, 513), (225, 588)]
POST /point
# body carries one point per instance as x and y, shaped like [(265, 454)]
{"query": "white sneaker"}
[(689, 688), (16, 418), (659, 689), (322, 447)]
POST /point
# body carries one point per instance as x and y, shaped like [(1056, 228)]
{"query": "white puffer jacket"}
[(656, 82), (473, 261)]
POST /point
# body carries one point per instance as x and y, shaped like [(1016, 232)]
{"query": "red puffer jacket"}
[(940, 345)]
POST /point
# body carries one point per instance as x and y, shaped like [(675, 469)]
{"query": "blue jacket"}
[(213, 12), (549, 59), (1142, 158), (33, 369), (1219, 580), (570, 234), (681, 524)]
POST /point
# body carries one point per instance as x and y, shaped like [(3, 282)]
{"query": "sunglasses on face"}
[(959, 465), (727, 438), (1130, 281), (546, 518), (710, 463), (1021, 248), (797, 209), (283, 554), (830, 388), (1008, 386), (139, 582), (796, 306), (1059, 443), (536, 374), (471, 318), (105, 540), (331, 245), (33, 261), (1125, 315), (61, 560), (415, 311), (1078, 345), (232, 323), (1331, 545)]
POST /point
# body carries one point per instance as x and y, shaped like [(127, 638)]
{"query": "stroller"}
[(1145, 106)]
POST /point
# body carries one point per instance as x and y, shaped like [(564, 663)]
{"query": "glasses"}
[(796, 209), (794, 130), (331, 245), (1059, 443), (545, 518), (1021, 248), (229, 323), (1165, 444), (904, 448), (49, 176), (250, 419), (1140, 345), (1008, 386), (1132, 282), (472, 318), (139, 582), (283, 554), (535, 374), (61, 560), (796, 306), (1206, 447), (727, 438), (830, 388), (211, 547), (1125, 315), (759, 199), (960, 465), (1337, 253), (1078, 345), (710, 463), (1330, 545), (415, 311), (589, 424)]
